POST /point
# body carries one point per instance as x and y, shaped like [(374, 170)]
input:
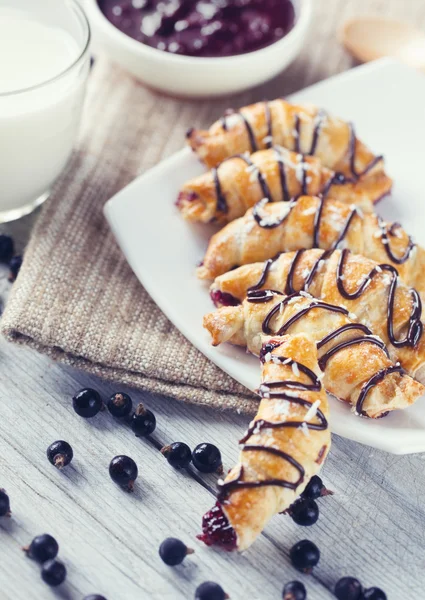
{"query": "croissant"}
[(226, 192), (311, 222), (356, 364), (372, 291), (285, 445), (301, 128)]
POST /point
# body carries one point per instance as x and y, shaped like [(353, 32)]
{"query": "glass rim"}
[(79, 10)]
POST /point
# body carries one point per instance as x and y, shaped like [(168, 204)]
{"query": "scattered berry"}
[(207, 458), (60, 454), (173, 551), (374, 593), (304, 512), (315, 489), (294, 590), (348, 588), (120, 405), (43, 547), (123, 470), (4, 504), (94, 597), (53, 573), (304, 555), (7, 248), (210, 591), (87, 403), (143, 422), (15, 264), (177, 454)]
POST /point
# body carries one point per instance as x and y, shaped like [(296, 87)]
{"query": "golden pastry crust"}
[(267, 230), (301, 128), (249, 509), (377, 284), (350, 355), (277, 174)]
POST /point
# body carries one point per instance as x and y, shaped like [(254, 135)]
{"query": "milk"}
[(37, 126)]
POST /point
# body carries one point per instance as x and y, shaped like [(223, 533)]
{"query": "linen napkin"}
[(76, 299)]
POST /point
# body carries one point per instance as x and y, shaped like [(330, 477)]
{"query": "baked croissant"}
[(268, 229), (285, 445), (356, 364), (301, 128), (225, 193), (372, 291)]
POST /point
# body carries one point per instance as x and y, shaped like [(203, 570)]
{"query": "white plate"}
[(385, 101)]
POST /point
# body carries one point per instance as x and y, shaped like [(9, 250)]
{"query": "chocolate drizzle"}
[(269, 141), (320, 118), (415, 327), (266, 392), (385, 232), (351, 342), (355, 175), (374, 380)]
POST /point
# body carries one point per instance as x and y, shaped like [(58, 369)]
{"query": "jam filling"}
[(223, 298), (216, 530), (206, 28)]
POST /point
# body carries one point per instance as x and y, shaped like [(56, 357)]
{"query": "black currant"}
[(60, 454), (123, 470), (304, 512), (304, 555), (207, 458), (315, 489), (94, 597), (120, 405), (143, 422), (53, 572), (374, 593), (173, 551), (348, 588), (7, 248), (178, 455), (15, 264), (294, 590), (4, 504), (43, 547), (210, 591), (87, 403)]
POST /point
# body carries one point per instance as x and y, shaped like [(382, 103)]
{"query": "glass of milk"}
[(44, 64)]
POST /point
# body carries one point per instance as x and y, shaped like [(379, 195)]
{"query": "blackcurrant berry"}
[(374, 593), (143, 422), (7, 248), (43, 547), (15, 264), (348, 588), (304, 555), (315, 489), (294, 590), (207, 458), (210, 591), (4, 504), (178, 455), (94, 597), (173, 551), (120, 405), (53, 572), (87, 403), (123, 470), (304, 512), (60, 454)]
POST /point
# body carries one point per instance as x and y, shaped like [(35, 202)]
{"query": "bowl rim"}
[(303, 10)]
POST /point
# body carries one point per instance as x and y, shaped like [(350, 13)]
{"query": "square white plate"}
[(385, 101)]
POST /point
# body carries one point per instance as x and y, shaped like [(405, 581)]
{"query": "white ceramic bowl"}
[(198, 77)]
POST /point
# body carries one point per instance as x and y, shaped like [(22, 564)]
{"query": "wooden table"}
[(372, 528)]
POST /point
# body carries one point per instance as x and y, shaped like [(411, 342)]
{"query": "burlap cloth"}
[(75, 298)]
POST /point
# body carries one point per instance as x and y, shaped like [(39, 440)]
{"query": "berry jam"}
[(223, 298), (216, 530), (207, 28)]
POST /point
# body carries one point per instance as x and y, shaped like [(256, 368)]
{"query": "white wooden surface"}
[(372, 528)]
